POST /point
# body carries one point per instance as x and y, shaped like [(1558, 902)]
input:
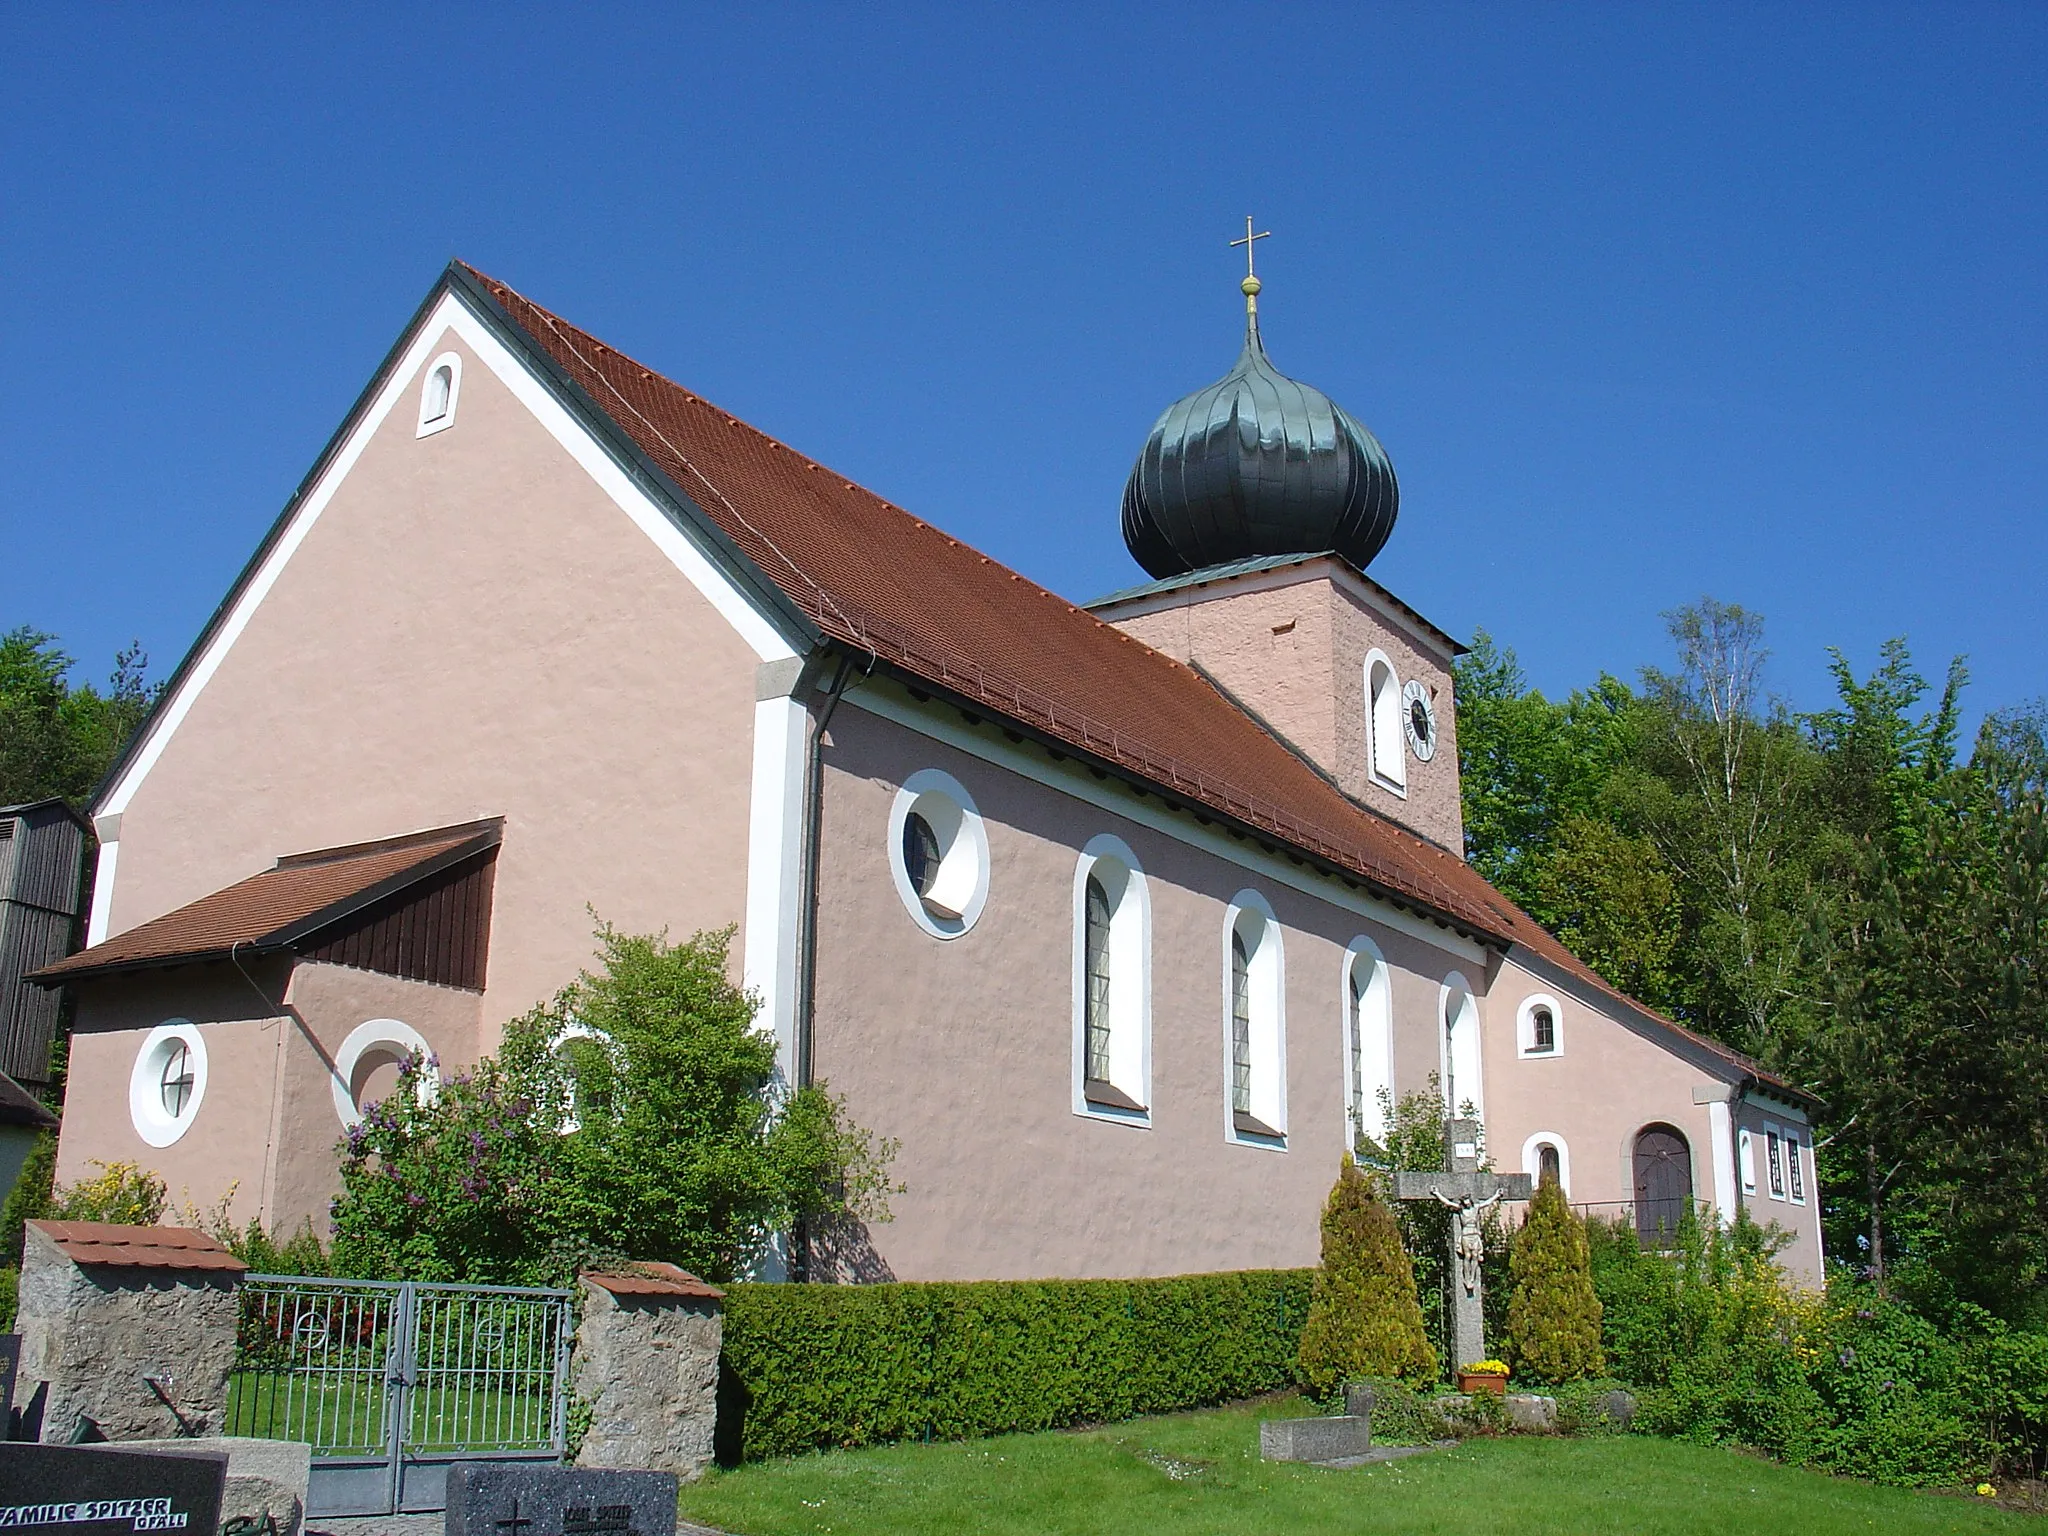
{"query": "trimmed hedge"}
[(812, 1366)]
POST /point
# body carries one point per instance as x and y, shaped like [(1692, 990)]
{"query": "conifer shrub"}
[(1553, 1332), (1363, 1316)]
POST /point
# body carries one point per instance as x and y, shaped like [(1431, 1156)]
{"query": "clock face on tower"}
[(1420, 715)]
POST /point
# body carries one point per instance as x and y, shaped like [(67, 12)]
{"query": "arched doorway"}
[(1663, 1184)]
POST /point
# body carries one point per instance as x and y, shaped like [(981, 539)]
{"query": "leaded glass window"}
[(1548, 1164), (1543, 1030), (1356, 1024), (1774, 1158), (1240, 1026), (174, 1083), (1798, 1174), (920, 853), (1097, 956)]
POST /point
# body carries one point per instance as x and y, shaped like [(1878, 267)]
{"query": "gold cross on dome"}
[(1246, 242)]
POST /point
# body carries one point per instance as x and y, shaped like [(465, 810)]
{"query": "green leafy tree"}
[(1553, 1331), (57, 739), (1363, 1316), (634, 1116), (1610, 896)]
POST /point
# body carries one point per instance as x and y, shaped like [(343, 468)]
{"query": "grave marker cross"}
[(1467, 1191)]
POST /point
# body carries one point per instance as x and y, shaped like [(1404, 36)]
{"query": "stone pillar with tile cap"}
[(647, 1364), (127, 1333)]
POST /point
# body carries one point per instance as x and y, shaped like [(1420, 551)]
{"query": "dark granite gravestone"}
[(79, 1492), (547, 1500)]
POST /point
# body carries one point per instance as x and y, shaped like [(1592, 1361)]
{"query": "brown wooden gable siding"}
[(438, 930)]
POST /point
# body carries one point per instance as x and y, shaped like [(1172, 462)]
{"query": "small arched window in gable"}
[(1386, 751), (438, 394)]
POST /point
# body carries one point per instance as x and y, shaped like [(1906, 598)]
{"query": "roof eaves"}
[(682, 509), (294, 933), (1174, 795)]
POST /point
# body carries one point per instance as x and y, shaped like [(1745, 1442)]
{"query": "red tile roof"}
[(871, 575), (119, 1247), (301, 894), (653, 1280)]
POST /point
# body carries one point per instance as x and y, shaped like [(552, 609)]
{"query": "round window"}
[(367, 1066), (939, 853), (167, 1083)]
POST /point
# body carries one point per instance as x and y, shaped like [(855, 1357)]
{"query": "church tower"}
[(1256, 505)]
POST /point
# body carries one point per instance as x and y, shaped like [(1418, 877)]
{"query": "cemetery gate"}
[(392, 1382)]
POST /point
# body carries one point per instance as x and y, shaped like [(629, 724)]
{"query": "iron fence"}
[(390, 1382)]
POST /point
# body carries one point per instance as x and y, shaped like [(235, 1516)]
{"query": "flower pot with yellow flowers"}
[(1484, 1376)]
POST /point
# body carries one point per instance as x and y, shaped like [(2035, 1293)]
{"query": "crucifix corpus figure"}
[(1467, 1192)]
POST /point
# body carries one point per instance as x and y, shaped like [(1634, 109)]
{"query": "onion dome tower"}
[(1255, 465)]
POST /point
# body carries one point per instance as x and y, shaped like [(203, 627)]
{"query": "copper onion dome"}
[(1257, 464)]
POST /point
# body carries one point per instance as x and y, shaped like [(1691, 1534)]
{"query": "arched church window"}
[(1368, 1039), (438, 393), (1098, 981), (1546, 1153), (1385, 730), (1255, 1032), (938, 853), (369, 1063), (1459, 1021), (1112, 983), (1240, 1025), (1547, 1165), (1537, 1026)]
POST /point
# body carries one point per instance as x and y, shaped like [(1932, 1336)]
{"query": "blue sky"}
[(1644, 301)]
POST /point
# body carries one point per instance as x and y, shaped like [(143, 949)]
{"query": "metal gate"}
[(392, 1382)]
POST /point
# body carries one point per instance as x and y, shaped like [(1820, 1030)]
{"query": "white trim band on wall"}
[(392, 1038)]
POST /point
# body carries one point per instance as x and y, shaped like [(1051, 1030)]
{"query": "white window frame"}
[(1796, 1171), (1366, 1037), (442, 421), (1778, 1189), (389, 1037), (961, 886), (1386, 736), (1745, 1158), (1266, 971), (1110, 860), (1525, 1026), (1532, 1159), (155, 1125), (1461, 1053)]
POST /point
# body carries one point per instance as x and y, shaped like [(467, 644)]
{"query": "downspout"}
[(807, 909), (807, 930)]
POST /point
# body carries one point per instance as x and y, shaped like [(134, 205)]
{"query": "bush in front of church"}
[(1363, 1318), (1553, 1315)]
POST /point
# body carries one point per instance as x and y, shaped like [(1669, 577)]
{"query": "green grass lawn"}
[(1198, 1473)]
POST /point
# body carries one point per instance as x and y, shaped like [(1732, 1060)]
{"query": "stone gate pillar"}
[(127, 1333), (647, 1363)]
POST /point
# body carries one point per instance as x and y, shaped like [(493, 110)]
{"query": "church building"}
[(1118, 918)]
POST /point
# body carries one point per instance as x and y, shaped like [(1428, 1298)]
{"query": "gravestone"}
[(1467, 1192), (267, 1479), (10, 1360), (68, 1490), (542, 1499)]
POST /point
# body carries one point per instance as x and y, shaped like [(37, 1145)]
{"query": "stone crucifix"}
[(1467, 1192)]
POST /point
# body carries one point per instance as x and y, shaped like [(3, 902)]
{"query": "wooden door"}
[(1663, 1183)]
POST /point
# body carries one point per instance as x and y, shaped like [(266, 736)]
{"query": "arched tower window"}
[(1112, 983), (1385, 744)]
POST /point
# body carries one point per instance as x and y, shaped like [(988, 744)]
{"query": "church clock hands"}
[(1420, 712)]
